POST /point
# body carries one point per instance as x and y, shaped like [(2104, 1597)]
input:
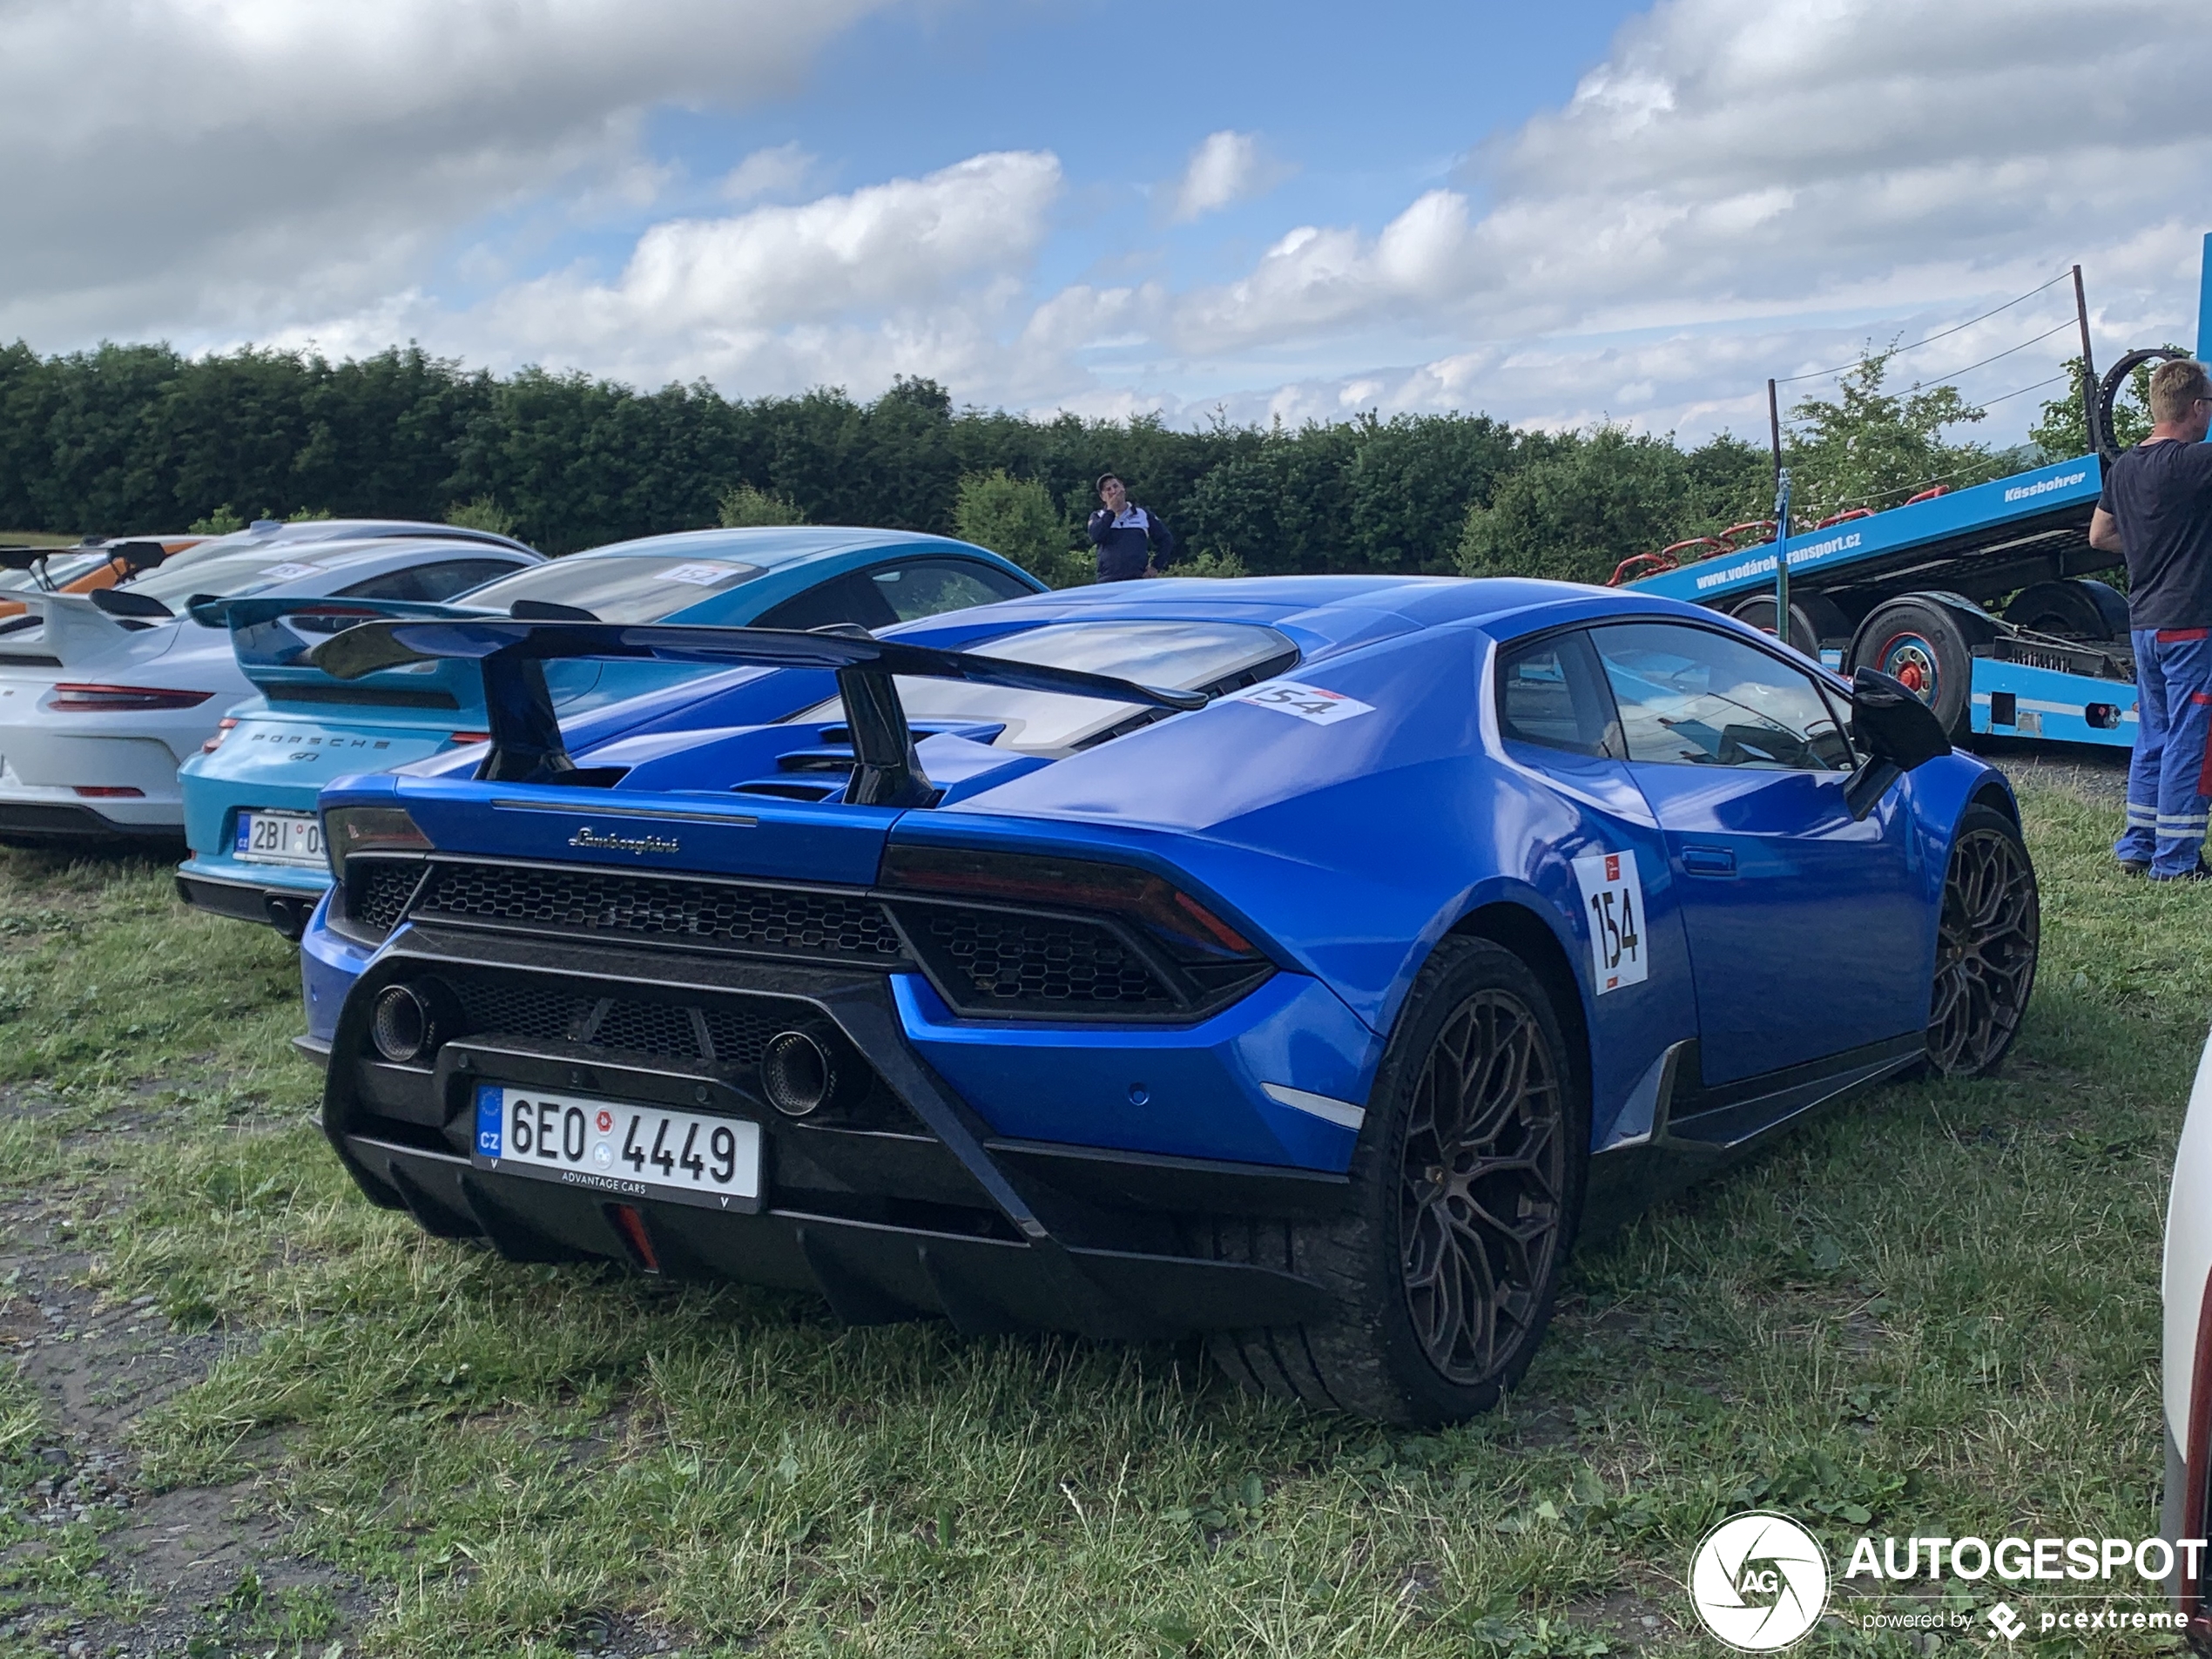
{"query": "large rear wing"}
[(272, 640), (132, 556), (526, 746)]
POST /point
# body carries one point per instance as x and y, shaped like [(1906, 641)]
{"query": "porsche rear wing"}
[(526, 745), (74, 630), (272, 640)]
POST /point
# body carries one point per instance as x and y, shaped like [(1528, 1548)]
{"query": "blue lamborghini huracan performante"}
[(1299, 963)]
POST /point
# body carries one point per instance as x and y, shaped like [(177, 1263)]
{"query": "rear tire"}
[(1986, 945), (1466, 1190), (1916, 642), (1813, 618), (2090, 611)]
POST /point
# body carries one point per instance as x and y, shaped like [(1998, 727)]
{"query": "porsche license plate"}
[(279, 838), (618, 1147)]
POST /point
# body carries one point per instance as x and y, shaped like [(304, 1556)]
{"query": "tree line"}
[(132, 438)]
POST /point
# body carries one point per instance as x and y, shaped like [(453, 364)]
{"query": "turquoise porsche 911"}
[(249, 797)]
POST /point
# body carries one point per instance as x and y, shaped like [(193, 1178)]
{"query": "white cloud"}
[(1225, 168), (903, 242), (909, 276), (1741, 188), (1738, 158), (169, 164), (769, 172)]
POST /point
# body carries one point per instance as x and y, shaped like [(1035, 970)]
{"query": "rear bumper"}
[(51, 810), (28, 818), (868, 1272), (263, 897), (41, 768), (903, 1205)]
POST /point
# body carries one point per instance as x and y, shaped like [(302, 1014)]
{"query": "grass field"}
[(1933, 1313)]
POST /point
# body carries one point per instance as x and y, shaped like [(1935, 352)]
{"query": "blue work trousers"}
[(2169, 779)]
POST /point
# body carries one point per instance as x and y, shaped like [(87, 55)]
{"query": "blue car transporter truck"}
[(1909, 591)]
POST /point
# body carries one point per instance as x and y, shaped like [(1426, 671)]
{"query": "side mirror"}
[(1900, 734), (1897, 726)]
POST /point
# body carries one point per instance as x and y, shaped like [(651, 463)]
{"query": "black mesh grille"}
[(773, 920), (739, 1036), (508, 1009), (377, 895), (999, 960), (647, 1027), (552, 1012)]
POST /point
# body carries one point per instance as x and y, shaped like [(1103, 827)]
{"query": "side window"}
[(928, 587), (458, 576), (1693, 696), (393, 584), (845, 598), (1550, 694)]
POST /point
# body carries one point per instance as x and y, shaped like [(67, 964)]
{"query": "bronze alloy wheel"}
[(1482, 1180), (1986, 949)]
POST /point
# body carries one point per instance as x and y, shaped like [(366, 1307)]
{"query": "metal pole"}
[(1782, 556), (1781, 519), (2088, 364)]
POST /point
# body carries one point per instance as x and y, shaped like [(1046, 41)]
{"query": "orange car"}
[(91, 564)]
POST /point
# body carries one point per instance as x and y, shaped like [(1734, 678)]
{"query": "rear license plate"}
[(618, 1147), (279, 838)]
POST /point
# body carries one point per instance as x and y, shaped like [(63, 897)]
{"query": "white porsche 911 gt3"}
[(102, 695)]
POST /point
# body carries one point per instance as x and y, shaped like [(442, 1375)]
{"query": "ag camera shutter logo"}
[(1759, 1581)]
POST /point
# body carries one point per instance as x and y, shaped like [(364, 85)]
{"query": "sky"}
[(1565, 214)]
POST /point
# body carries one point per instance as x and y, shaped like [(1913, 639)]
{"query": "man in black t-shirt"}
[(2156, 513)]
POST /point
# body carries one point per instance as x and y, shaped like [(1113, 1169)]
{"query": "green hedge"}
[(140, 438)]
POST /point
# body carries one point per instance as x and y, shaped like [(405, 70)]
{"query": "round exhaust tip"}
[(404, 1029), (796, 1073)]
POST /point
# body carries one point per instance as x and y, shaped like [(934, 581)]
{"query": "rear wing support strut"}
[(526, 743)]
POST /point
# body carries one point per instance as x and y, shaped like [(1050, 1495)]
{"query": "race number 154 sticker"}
[(1612, 905), (1308, 703)]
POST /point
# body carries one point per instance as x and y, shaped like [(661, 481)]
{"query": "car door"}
[(1808, 937), (1555, 719)]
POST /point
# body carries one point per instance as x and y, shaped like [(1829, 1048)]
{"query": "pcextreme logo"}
[(1759, 1581)]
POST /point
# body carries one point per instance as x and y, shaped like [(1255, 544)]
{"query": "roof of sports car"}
[(1340, 608), (771, 545)]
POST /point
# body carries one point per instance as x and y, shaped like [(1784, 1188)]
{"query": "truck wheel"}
[(1813, 618), (1915, 642), (1985, 947), (2077, 608), (1467, 1190)]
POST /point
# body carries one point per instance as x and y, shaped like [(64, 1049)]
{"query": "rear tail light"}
[(1170, 914), (1032, 935), (86, 698), (472, 737), (223, 729), (348, 830), (110, 791)]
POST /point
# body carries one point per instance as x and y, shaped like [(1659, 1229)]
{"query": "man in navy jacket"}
[(1129, 540)]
